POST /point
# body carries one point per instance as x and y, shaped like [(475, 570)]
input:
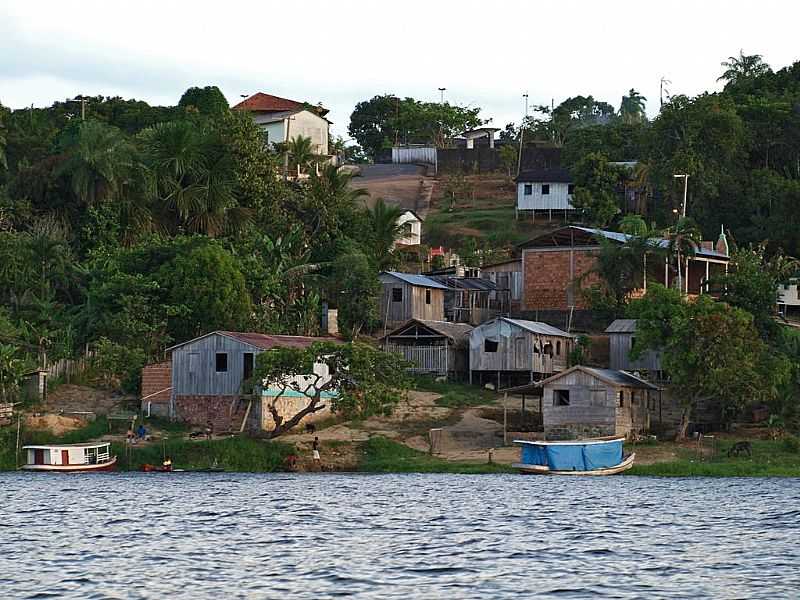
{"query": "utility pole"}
[(522, 133), (83, 102), (442, 90)]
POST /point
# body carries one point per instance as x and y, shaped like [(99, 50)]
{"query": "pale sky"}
[(485, 53)]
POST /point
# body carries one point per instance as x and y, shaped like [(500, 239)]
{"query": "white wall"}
[(276, 131), (557, 199), (312, 126), (415, 236), (788, 294)]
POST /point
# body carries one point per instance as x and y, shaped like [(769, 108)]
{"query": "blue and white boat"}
[(601, 456)]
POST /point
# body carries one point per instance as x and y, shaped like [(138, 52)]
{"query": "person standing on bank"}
[(315, 451)]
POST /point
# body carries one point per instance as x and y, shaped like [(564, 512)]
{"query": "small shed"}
[(407, 296), (621, 337), (584, 402), (438, 347), (517, 349)]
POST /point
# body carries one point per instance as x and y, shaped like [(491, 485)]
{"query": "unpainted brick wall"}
[(156, 378), (547, 278)]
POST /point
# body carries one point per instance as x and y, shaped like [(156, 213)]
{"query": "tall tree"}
[(632, 108), (738, 68), (207, 101)]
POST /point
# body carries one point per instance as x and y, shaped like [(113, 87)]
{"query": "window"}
[(621, 398), (545, 189), (536, 348), (397, 294), (558, 348), (560, 397), (427, 296), (528, 189), (571, 188), (548, 349), (489, 346), (222, 362), (247, 365)]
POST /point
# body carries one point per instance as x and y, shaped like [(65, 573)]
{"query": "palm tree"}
[(385, 228), (632, 108), (301, 153), (738, 68), (190, 180), (49, 251), (11, 369), (683, 244), (98, 158)]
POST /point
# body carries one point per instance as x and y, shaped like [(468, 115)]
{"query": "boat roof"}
[(51, 446)]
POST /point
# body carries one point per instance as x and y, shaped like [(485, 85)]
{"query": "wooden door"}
[(65, 457), (38, 456)]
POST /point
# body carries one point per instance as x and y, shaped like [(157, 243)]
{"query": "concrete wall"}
[(312, 126), (559, 197), (550, 277), (225, 412)]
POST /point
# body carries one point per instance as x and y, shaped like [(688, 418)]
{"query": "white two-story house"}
[(544, 190), (283, 119), (411, 223)]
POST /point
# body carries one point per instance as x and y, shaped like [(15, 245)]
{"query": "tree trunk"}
[(282, 426), (684, 425)]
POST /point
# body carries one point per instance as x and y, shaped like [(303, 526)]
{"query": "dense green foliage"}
[(142, 226), (383, 120)]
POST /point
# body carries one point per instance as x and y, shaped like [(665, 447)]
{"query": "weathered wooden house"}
[(621, 337), (436, 347), (208, 374), (517, 351), (507, 277), (545, 190), (472, 300), (406, 296), (584, 402)]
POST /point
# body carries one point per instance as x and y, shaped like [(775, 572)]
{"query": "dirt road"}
[(403, 185)]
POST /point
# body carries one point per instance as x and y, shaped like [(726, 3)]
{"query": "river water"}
[(396, 536)]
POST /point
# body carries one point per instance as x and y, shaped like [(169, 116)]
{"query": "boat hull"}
[(110, 465), (545, 470)]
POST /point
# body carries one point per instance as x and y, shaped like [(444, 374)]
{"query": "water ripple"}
[(397, 536)]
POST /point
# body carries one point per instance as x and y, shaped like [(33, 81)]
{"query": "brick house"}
[(207, 374), (557, 266)]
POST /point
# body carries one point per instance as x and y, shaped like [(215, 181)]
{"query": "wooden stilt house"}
[(437, 347)]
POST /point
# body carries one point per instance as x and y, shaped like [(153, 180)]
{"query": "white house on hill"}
[(411, 223), (283, 119), (544, 189)]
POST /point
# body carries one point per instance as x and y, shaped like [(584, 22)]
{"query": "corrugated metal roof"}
[(622, 326), (418, 280), (263, 340), (538, 327), (465, 283), (455, 331), (661, 243), (620, 377), (555, 175)]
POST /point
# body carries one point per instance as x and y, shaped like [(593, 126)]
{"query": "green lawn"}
[(497, 224), (770, 459), (381, 455), (455, 395)]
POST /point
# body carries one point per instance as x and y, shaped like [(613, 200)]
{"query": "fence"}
[(68, 368), (426, 359), (413, 155)]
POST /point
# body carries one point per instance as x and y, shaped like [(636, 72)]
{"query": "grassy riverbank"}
[(239, 454), (381, 455), (769, 459)]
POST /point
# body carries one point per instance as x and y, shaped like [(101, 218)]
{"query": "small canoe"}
[(602, 456)]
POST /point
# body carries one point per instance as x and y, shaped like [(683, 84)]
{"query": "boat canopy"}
[(586, 455)]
